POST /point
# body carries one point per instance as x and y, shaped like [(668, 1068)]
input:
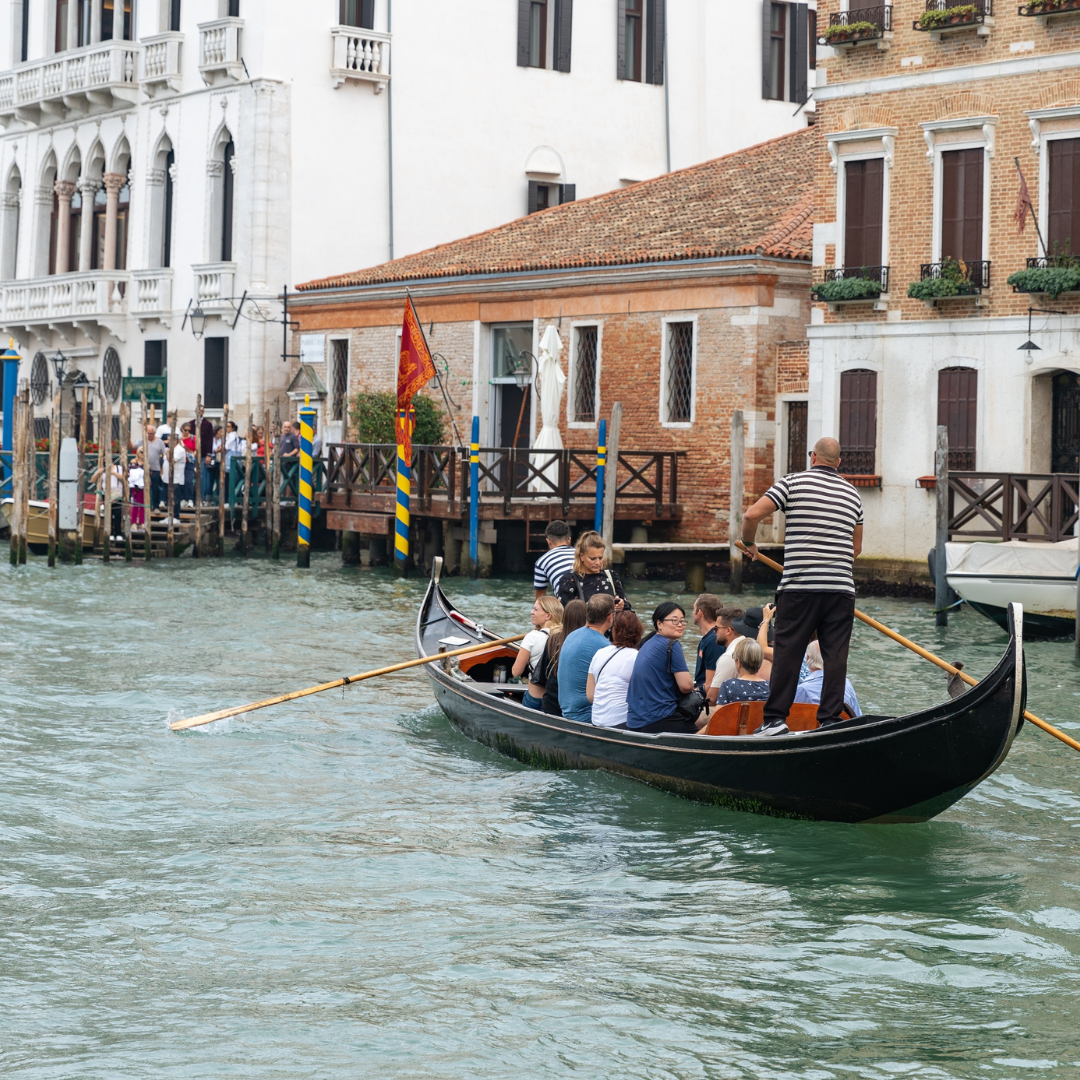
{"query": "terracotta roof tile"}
[(756, 200)]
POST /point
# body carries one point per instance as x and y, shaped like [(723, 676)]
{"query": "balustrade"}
[(161, 63), (219, 50), (64, 297), (361, 56)]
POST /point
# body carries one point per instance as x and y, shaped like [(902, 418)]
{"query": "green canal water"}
[(347, 887)]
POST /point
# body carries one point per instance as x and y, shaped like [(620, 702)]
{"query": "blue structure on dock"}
[(10, 380)]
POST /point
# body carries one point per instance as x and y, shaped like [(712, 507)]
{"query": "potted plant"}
[(1060, 275), (953, 280), (938, 17), (846, 288), (851, 32)]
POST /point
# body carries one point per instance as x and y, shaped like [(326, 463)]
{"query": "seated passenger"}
[(546, 618), (749, 684), (810, 687), (660, 676), (576, 654), (610, 671), (589, 575), (547, 674)]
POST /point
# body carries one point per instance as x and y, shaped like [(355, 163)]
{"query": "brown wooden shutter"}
[(567, 193), (958, 411), (800, 62), (864, 183), (654, 42), (1063, 209), (524, 11), (858, 422), (534, 196), (620, 43), (564, 21), (962, 205), (766, 49)]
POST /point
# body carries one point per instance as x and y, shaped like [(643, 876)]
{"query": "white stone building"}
[(162, 155)]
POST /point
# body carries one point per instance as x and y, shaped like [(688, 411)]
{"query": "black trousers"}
[(798, 615)]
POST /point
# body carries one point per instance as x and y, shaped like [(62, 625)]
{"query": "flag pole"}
[(1034, 219)]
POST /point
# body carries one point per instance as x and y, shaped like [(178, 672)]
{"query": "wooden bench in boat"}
[(745, 717)]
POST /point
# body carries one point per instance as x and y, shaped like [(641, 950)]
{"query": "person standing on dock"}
[(822, 539), (556, 561)]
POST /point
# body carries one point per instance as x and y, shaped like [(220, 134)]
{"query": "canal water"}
[(347, 887)]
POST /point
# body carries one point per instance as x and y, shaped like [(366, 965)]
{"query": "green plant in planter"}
[(953, 281), (847, 288), (1052, 280), (374, 415), (932, 20), (852, 30)]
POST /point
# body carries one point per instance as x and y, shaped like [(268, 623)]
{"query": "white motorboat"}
[(1042, 577)]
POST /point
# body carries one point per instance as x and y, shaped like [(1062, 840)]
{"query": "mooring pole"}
[(13, 419), (103, 505), (54, 477), (223, 476), (403, 476), (735, 511), (80, 484), (125, 467), (941, 532), (304, 488), (611, 489), (8, 380), (601, 462), (148, 489), (170, 503), (199, 466), (275, 550), (474, 498), (247, 483)]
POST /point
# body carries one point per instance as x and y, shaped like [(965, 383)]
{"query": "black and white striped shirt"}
[(552, 565), (822, 511)]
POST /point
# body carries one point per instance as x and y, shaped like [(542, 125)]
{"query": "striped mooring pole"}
[(303, 523), (404, 487), (601, 463), (474, 497)]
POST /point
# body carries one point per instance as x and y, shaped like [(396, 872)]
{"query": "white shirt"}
[(136, 476), (725, 666), (233, 443), (534, 641), (612, 667), (180, 460)]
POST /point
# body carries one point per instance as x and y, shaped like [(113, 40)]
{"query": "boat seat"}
[(745, 717)]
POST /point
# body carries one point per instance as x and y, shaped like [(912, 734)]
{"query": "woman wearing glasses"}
[(661, 677)]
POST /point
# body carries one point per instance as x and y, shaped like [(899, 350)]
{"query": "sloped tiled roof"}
[(756, 199)]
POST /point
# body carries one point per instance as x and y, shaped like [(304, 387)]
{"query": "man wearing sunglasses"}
[(822, 538)]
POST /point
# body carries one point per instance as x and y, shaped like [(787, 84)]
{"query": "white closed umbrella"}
[(551, 386)]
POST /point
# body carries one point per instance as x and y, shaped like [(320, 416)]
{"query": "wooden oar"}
[(927, 655), (209, 718)]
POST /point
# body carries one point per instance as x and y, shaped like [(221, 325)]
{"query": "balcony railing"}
[(152, 294), (220, 58), (880, 274), (161, 63), (859, 24), (214, 284), (93, 79), (360, 56), (1042, 9), (1013, 506), (975, 275), (64, 298), (946, 16)]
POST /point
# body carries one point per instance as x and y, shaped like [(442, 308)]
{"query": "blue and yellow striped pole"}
[(601, 464), (474, 497), (404, 486), (305, 487)]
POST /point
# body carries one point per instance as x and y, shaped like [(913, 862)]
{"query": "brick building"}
[(919, 121), (675, 296)]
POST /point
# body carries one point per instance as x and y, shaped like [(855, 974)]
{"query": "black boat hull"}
[(1035, 625), (877, 769)]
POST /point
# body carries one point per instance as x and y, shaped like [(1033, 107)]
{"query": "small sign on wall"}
[(312, 348)]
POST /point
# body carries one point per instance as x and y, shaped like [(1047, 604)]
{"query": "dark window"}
[(234, 9), (679, 385), (1063, 218), (541, 196), (629, 42), (24, 47), (85, 10), (61, 25), (215, 372), (155, 357), (42, 427), (174, 14), (811, 38), (962, 205), (53, 226), (958, 410), (123, 213), (864, 183), (116, 20), (796, 436), (358, 13), (858, 422), (227, 181), (339, 379), (537, 33), (584, 390), (167, 210), (787, 51), (73, 233), (775, 50), (1065, 445)]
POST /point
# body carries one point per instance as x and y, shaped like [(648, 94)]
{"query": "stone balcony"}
[(214, 287), (152, 299), (161, 63), (360, 56), (72, 84), (220, 58), (63, 303)]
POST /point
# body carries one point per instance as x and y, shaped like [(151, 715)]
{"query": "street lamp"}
[(59, 362), (521, 368), (198, 322)]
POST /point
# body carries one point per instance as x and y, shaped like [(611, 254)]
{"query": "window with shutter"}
[(174, 14), (858, 422), (630, 18), (358, 13), (962, 204), (620, 39), (339, 380), (774, 51), (864, 183), (564, 22), (215, 372), (585, 362), (799, 60), (811, 36), (567, 193), (958, 412), (524, 17), (796, 436), (654, 45), (1063, 203), (678, 387)]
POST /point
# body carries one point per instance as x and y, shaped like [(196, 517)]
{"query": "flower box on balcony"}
[(939, 19), (1051, 276), (862, 480), (847, 29), (927, 483), (1043, 9), (949, 279), (846, 290)]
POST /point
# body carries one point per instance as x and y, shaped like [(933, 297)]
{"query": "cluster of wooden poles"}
[(114, 463)]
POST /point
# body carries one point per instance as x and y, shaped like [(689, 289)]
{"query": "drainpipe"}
[(390, 127), (667, 98)]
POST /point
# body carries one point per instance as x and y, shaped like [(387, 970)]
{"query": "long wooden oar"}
[(927, 655), (209, 718)]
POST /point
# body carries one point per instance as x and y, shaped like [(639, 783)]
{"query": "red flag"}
[(1023, 205), (415, 368)]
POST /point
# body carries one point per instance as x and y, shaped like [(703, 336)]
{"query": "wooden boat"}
[(875, 768), (37, 524)]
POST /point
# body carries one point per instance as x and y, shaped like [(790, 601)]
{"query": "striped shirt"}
[(552, 565), (822, 511)]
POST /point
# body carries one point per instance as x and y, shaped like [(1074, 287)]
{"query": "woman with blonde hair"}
[(547, 614), (749, 684), (591, 574)]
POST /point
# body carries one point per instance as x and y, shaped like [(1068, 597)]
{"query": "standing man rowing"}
[(822, 538)]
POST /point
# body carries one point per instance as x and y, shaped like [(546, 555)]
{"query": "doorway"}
[(511, 419), (1065, 428)]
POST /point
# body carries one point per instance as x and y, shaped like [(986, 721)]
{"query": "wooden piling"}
[(55, 435), (30, 482), (267, 486), (170, 503), (941, 491), (81, 481), (611, 483), (16, 474), (275, 501), (738, 491), (125, 466), (247, 483), (147, 491), (198, 475), (105, 461), (223, 477)]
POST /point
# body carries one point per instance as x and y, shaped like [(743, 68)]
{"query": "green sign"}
[(153, 386)]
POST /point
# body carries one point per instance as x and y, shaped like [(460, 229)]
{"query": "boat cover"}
[(1015, 558)]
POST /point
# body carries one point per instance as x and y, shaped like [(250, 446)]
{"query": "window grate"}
[(339, 384), (110, 374), (680, 369), (585, 375), (796, 454), (42, 427)]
